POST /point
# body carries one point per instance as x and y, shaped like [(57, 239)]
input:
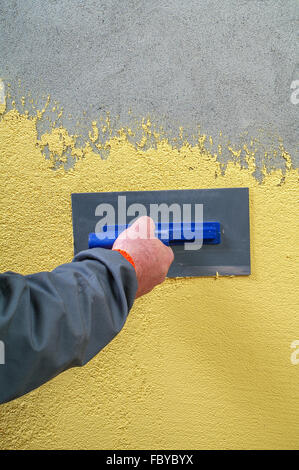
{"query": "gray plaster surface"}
[(226, 66)]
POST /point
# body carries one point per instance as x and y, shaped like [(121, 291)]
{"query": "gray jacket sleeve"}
[(51, 321)]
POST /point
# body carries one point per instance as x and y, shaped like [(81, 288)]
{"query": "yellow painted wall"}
[(201, 362)]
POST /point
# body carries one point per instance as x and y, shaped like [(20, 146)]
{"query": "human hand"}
[(151, 257)]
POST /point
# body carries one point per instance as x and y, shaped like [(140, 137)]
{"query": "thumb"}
[(144, 227)]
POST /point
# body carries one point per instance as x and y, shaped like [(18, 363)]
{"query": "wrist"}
[(126, 255)]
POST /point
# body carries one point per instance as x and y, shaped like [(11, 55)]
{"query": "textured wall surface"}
[(201, 362), (227, 66)]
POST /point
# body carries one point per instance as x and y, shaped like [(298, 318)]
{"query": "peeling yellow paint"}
[(2, 97), (199, 364), (94, 135)]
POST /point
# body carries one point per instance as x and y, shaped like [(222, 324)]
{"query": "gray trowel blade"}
[(229, 206)]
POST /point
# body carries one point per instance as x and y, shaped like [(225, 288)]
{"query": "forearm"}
[(52, 321)]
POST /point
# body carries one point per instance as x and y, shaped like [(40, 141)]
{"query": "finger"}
[(171, 255)]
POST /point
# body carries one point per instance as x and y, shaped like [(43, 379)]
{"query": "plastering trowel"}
[(208, 229)]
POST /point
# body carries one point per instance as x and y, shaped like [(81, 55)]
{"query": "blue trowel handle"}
[(174, 233)]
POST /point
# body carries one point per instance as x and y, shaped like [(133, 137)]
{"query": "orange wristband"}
[(127, 256)]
